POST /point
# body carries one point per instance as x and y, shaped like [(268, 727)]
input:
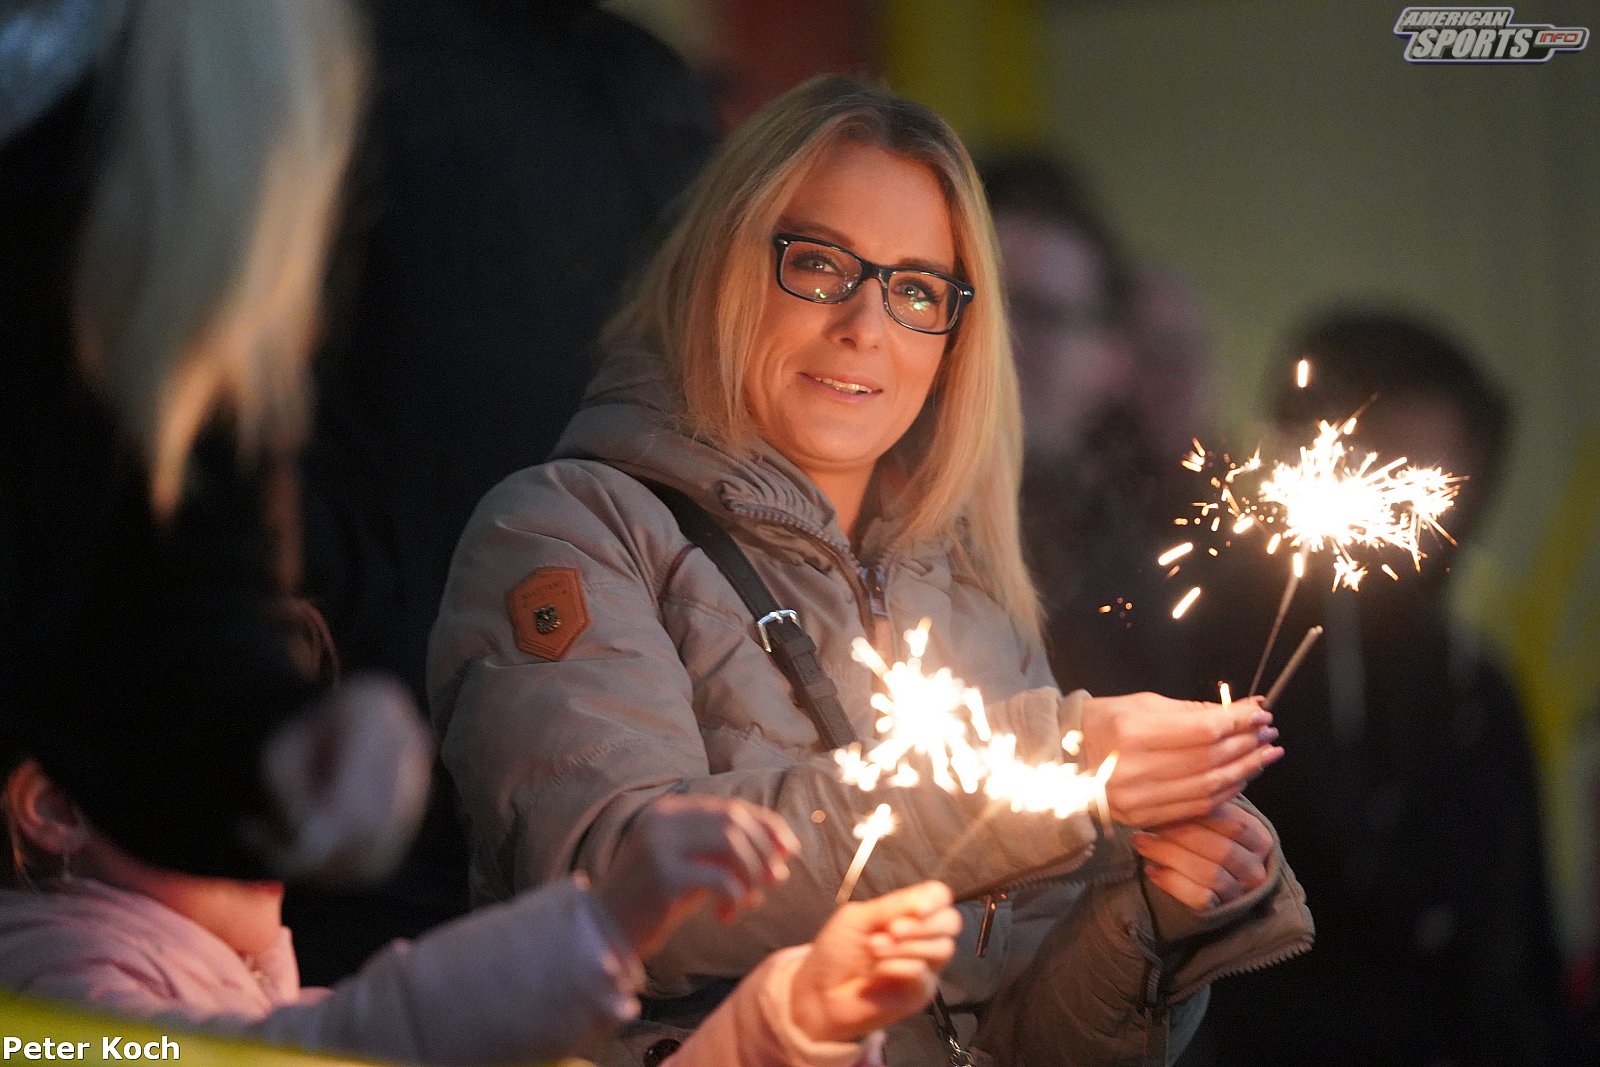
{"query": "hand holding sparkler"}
[(874, 963), (682, 850), (1176, 759)]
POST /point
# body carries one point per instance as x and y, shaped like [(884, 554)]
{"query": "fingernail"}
[(1261, 717), (1267, 734), (1271, 755)]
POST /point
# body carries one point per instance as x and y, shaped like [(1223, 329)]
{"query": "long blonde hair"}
[(202, 248), (699, 305)]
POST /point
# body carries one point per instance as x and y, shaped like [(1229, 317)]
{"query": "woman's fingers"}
[(1209, 860), (1182, 888), (1151, 797), (1148, 722)]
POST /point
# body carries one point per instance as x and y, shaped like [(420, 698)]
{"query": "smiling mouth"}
[(848, 388)]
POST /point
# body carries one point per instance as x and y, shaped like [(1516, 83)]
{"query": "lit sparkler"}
[(938, 722), (871, 830), (1336, 500)]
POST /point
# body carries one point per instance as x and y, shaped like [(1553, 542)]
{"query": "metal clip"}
[(991, 904), (772, 617), (959, 1057)]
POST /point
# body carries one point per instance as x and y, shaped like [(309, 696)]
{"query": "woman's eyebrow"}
[(803, 228)]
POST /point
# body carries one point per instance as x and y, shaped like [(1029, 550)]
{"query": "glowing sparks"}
[(1337, 501), (1334, 500), (1175, 552), (1302, 373), (935, 725), (871, 830), (1182, 606)]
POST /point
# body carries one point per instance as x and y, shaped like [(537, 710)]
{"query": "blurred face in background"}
[(1072, 360)]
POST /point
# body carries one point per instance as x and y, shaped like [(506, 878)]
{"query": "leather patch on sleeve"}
[(548, 611)]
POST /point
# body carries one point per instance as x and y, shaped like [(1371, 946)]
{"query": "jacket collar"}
[(632, 419)]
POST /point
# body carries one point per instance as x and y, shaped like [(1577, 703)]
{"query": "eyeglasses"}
[(921, 300)]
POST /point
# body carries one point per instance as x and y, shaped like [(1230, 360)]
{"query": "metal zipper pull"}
[(991, 904), (882, 634)]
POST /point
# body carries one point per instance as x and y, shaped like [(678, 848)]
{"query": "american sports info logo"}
[(1482, 35)]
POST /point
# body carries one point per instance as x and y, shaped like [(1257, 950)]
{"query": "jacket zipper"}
[(871, 600)]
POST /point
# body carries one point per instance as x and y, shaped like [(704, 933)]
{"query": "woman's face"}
[(833, 386)]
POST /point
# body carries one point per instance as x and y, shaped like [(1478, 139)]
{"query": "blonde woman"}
[(168, 170), (817, 358)]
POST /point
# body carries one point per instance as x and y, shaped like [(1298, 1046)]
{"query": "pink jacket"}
[(534, 978)]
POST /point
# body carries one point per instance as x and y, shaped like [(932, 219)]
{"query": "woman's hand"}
[(1210, 861), (874, 963), (1176, 759), (682, 850)]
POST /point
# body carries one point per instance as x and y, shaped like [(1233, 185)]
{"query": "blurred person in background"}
[(1113, 368), (1411, 805), (516, 160), (168, 171)]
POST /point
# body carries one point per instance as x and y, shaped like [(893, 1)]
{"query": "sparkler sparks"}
[(1335, 499), (937, 722)]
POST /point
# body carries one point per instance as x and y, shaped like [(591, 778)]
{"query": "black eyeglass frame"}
[(964, 292)]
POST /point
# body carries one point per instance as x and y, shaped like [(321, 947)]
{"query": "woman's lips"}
[(841, 386)]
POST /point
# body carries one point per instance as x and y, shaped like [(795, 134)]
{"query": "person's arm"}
[(527, 980)]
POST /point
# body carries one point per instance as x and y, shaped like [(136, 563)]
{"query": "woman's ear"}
[(42, 814)]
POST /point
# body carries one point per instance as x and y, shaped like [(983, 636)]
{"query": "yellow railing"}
[(37, 1031)]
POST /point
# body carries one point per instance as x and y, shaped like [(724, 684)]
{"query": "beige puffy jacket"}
[(588, 659)]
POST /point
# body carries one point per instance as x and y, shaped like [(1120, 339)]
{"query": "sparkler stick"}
[(1293, 665), (1295, 574), (871, 829)]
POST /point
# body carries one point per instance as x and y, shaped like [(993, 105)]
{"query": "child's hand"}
[(683, 849), (1176, 759), (349, 781), (875, 963)]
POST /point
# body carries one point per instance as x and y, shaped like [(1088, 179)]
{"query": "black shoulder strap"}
[(778, 628)]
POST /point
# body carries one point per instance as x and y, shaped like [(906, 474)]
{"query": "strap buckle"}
[(774, 617)]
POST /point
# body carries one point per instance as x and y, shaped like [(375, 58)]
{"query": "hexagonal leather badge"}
[(548, 611)]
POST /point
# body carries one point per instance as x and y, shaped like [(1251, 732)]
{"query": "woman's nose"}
[(863, 319)]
